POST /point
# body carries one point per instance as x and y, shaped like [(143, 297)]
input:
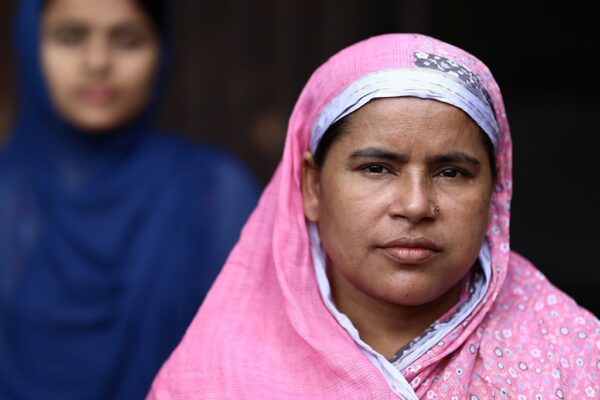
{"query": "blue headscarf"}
[(108, 243)]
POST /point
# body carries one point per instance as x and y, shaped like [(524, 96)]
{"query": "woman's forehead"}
[(411, 109), (105, 13), (402, 113), (403, 122)]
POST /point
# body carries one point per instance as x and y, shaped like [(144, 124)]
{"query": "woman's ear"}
[(310, 187)]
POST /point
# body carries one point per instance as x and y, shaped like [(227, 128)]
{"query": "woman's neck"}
[(385, 326)]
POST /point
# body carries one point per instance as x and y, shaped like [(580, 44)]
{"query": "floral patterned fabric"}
[(264, 331)]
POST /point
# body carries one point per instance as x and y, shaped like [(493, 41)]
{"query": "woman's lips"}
[(410, 250), (97, 95)]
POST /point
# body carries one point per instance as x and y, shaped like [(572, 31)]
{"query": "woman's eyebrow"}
[(128, 26), (455, 156), (374, 152), (69, 24)]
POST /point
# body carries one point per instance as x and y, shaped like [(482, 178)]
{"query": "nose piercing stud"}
[(436, 210)]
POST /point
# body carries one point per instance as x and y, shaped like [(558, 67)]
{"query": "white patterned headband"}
[(458, 87)]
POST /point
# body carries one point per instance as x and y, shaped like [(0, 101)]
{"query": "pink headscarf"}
[(264, 332)]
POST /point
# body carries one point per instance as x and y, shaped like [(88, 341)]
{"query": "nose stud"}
[(436, 210)]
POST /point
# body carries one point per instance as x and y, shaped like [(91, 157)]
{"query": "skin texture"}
[(99, 59), (395, 161)]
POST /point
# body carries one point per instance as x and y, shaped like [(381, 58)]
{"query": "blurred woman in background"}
[(110, 233)]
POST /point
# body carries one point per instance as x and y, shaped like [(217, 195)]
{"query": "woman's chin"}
[(97, 124), (415, 292)]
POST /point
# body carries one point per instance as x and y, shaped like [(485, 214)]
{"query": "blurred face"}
[(377, 195), (99, 60)]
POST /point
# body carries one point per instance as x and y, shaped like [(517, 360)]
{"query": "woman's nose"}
[(97, 57), (413, 199)]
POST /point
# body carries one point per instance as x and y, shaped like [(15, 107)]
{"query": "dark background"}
[(240, 65)]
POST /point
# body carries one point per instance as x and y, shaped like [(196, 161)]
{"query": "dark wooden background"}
[(240, 64)]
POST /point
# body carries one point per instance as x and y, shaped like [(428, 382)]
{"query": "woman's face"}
[(99, 60), (375, 198)]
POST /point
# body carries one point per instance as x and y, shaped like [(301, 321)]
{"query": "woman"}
[(377, 264), (110, 233)]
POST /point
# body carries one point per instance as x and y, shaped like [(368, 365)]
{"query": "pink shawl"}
[(263, 332)]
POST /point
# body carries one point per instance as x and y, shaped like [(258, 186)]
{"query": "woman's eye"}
[(128, 42), (451, 173), (70, 36), (128, 39), (375, 169)]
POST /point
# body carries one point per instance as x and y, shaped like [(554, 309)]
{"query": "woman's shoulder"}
[(535, 333), (192, 151), (529, 299), (205, 161), (526, 288)]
